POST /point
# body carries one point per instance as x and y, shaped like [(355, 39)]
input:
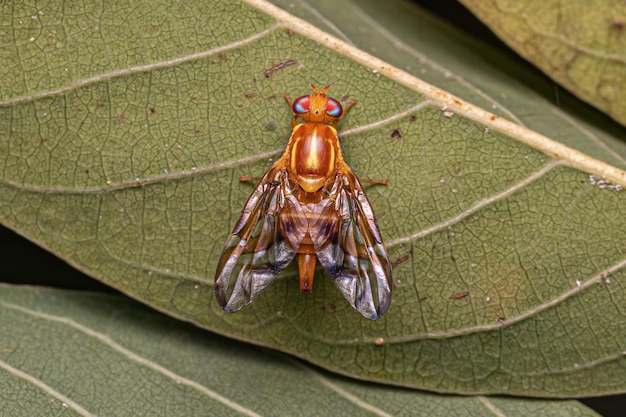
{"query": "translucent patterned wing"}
[(349, 246), (263, 242)]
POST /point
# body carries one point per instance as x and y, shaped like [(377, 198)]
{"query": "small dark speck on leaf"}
[(422, 299), (87, 171), (272, 97), (396, 134), (152, 110), (270, 126), (459, 295), (501, 320), (333, 306), (122, 116), (618, 26), (277, 67), (250, 95), (402, 259), (344, 98), (413, 118)]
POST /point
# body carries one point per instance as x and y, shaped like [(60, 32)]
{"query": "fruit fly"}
[(308, 205)]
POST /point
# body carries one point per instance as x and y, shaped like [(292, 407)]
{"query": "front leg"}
[(352, 103)]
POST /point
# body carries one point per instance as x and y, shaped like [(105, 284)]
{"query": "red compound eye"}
[(301, 105), (333, 108)]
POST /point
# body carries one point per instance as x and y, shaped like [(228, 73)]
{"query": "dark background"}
[(23, 262)]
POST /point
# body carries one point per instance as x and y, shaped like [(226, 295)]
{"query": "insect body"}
[(309, 204)]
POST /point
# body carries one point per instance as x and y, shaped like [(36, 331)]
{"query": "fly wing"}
[(264, 241), (349, 246)]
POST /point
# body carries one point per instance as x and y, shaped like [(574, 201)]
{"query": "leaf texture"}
[(87, 354), (581, 46), (121, 145)]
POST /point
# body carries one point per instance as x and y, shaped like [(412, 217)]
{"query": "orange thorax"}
[(312, 154)]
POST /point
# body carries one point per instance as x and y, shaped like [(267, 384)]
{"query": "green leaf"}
[(580, 45), (85, 354), (123, 141)]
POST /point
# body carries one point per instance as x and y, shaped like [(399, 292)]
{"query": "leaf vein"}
[(140, 182), (438, 67), (578, 47), (490, 406), (482, 203), (345, 394), (46, 388), (323, 18), (388, 120), (140, 68), (134, 357), (596, 279)]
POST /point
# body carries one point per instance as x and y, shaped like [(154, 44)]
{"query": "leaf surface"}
[(580, 45), (86, 354), (122, 144)]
